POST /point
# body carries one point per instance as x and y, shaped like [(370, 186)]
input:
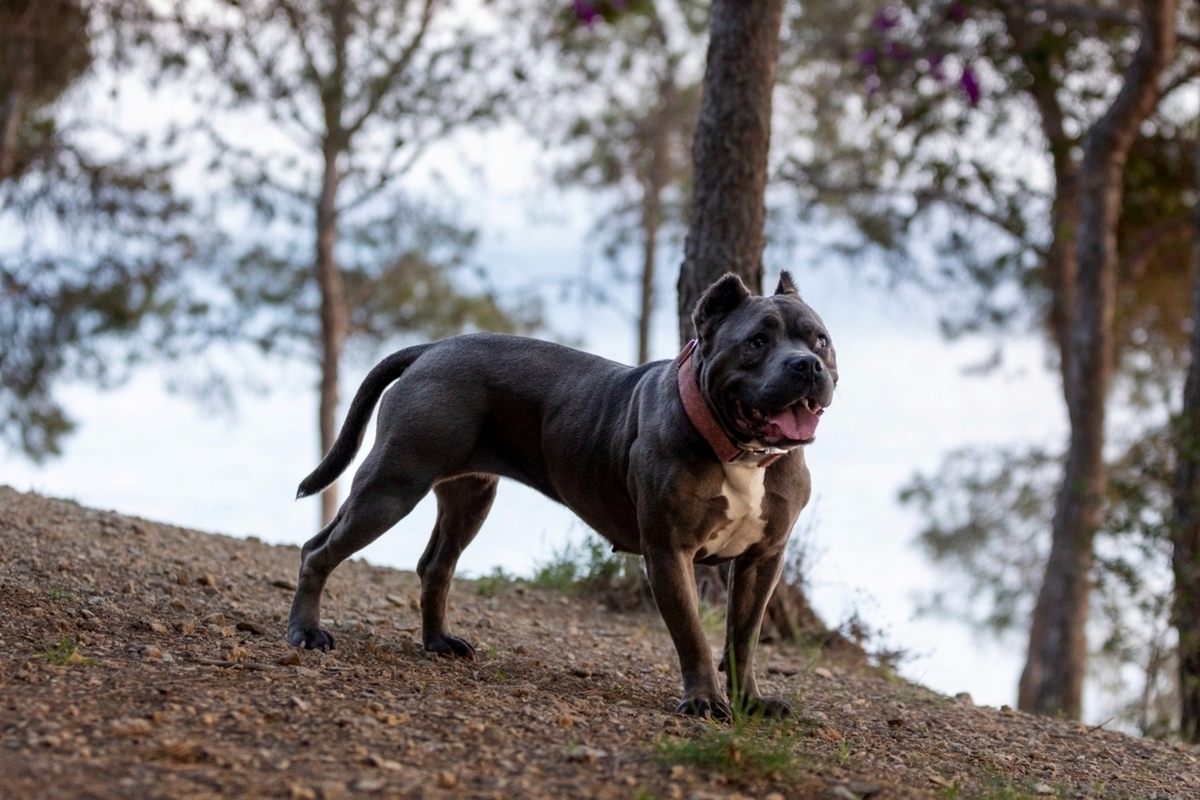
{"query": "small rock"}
[(158, 627), (251, 627), (590, 755), (298, 703), (395, 600), (822, 672), (217, 619), (446, 779), (298, 791), (1043, 788), (127, 728), (284, 583), (368, 785), (289, 659), (207, 580), (895, 722), (383, 763), (964, 698), (864, 789), (842, 792)]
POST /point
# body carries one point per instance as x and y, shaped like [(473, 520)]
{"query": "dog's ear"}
[(718, 300), (786, 284)]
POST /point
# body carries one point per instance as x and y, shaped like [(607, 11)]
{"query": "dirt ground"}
[(142, 660)]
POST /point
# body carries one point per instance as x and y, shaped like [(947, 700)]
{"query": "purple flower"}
[(897, 52), (867, 58), (585, 11), (957, 12), (969, 82), (885, 19), (935, 68)]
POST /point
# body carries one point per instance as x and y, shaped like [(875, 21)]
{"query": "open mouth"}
[(795, 423)]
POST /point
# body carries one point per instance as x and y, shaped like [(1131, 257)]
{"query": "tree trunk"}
[(1185, 530), (13, 112), (651, 222), (334, 314), (333, 321), (729, 153), (730, 146), (1052, 682)]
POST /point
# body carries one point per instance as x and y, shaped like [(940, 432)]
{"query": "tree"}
[(941, 74), (1185, 529), (726, 230), (1052, 681), (89, 277), (349, 95), (622, 103), (987, 516)]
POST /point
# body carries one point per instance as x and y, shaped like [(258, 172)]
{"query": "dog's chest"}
[(743, 489)]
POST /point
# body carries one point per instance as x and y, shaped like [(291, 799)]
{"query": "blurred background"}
[(215, 217)]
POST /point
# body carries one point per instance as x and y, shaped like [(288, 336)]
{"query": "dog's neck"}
[(702, 418)]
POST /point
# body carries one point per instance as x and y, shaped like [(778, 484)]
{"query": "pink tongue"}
[(796, 423)]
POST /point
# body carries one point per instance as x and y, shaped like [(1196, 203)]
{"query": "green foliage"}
[(749, 748), (350, 96), (90, 279), (987, 516), (619, 106), (901, 108), (590, 567), (64, 654), (494, 583), (59, 594)]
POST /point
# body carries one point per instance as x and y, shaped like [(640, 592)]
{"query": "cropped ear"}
[(786, 284), (718, 300)]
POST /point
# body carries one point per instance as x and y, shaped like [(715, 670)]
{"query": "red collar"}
[(702, 418)]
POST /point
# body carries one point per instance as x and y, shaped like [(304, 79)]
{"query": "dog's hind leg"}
[(378, 500), (463, 504)]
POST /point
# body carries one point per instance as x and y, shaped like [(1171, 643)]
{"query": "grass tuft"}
[(748, 748), (65, 653)]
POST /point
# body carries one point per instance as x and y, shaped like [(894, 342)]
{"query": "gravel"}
[(143, 660)]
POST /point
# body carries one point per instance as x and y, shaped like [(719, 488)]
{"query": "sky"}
[(903, 401)]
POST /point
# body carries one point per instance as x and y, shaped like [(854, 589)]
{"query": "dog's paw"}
[(451, 646), (705, 708), (768, 707), (311, 639)]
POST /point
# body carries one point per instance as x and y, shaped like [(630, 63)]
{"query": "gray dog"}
[(696, 461)]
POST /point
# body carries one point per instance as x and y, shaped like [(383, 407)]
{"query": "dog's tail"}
[(350, 438)]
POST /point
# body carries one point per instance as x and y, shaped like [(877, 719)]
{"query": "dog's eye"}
[(822, 342), (758, 340)]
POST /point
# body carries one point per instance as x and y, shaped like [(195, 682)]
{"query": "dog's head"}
[(766, 365)]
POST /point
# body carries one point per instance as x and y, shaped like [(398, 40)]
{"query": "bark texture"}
[(334, 313), (1052, 681), (730, 146), (725, 230), (1185, 532)]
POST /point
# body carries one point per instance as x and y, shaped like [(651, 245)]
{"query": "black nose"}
[(808, 365)]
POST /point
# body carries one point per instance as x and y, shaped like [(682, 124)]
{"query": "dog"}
[(699, 460)]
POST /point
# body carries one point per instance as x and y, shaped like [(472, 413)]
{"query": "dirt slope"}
[(142, 660)]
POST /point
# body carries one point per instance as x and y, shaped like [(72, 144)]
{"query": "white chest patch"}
[(744, 489)]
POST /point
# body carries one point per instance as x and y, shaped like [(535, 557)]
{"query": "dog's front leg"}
[(751, 582), (673, 583)]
